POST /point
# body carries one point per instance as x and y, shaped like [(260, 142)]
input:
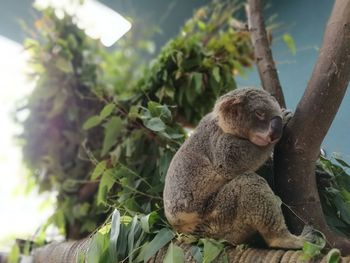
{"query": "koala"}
[(211, 188)]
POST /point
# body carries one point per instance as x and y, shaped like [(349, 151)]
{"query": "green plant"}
[(102, 128), (334, 187)]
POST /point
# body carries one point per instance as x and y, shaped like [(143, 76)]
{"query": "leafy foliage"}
[(311, 250), (334, 187), (139, 238), (102, 128)]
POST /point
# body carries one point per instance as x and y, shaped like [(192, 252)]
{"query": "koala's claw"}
[(286, 115)]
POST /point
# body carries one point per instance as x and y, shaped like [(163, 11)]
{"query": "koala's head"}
[(251, 114)]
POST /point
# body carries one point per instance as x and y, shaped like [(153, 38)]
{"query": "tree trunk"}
[(298, 151)]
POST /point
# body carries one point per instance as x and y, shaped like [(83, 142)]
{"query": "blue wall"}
[(305, 20)]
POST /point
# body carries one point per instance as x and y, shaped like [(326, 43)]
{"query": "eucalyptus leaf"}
[(197, 254), (97, 248), (92, 122), (148, 220), (64, 65), (289, 40), (155, 124), (115, 230), (131, 238), (333, 256), (211, 249), (107, 110), (310, 250), (216, 74), (106, 183), (112, 130), (342, 162), (163, 237), (99, 169), (197, 82), (14, 255), (174, 254)]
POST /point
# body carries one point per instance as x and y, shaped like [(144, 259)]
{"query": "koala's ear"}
[(229, 104)]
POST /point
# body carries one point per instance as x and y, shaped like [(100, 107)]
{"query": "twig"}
[(263, 56)]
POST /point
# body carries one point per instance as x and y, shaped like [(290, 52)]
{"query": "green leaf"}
[(197, 254), (14, 255), (97, 247), (99, 169), (201, 25), (289, 41), (190, 91), (165, 112), (238, 66), (155, 124), (211, 249), (107, 110), (58, 105), (134, 112), (216, 74), (148, 220), (122, 245), (197, 82), (343, 208), (81, 257), (310, 250), (333, 256), (106, 183), (115, 230), (326, 165), (342, 162), (131, 237), (64, 65), (92, 122), (174, 254), (143, 250), (163, 237), (154, 108), (112, 130)]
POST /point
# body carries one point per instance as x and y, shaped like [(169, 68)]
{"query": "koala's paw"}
[(286, 116)]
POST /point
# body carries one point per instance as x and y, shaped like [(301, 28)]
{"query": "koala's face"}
[(251, 114)]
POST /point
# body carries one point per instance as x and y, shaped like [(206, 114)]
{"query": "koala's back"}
[(191, 177)]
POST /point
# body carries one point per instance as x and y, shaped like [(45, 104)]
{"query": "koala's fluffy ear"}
[(230, 103)]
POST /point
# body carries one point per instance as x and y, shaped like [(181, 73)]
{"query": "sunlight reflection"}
[(20, 215), (98, 20)]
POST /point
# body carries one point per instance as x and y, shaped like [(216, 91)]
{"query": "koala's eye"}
[(260, 114)]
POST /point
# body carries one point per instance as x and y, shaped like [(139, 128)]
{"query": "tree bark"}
[(70, 251), (263, 55), (298, 151)]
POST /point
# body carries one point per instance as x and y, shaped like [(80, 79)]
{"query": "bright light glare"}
[(20, 215), (98, 20)]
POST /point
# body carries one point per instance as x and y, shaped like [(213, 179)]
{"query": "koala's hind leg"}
[(246, 206)]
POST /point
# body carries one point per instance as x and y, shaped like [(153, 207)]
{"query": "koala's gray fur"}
[(211, 188)]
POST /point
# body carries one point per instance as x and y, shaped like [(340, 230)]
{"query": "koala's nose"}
[(276, 128)]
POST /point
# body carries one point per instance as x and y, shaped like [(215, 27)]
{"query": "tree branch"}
[(70, 251), (299, 148), (263, 56)]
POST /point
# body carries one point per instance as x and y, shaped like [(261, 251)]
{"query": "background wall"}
[(303, 19)]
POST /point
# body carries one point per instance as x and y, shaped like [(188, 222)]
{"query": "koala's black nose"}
[(276, 128)]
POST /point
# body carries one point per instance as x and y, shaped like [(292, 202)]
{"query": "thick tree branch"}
[(70, 251), (263, 56), (298, 151)]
